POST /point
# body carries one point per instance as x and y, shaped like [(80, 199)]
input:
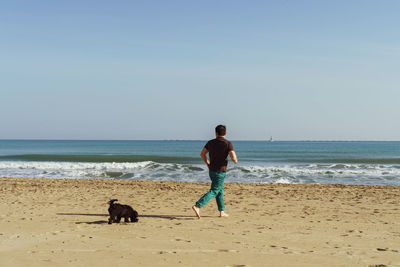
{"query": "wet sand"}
[(63, 222)]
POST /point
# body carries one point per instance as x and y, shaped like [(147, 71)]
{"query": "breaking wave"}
[(367, 174)]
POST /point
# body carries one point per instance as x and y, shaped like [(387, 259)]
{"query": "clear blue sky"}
[(325, 70)]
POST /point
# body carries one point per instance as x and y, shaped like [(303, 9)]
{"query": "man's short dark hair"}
[(220, 130)]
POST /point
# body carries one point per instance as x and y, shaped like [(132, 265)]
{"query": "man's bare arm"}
[(203, 156), (233, 156)]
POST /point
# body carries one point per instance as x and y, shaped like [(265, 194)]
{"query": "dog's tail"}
[(112, 201)]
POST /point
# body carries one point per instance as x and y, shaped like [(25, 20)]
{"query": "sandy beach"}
[(63, 222)]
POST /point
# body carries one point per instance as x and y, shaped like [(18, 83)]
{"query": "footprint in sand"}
[(382, 249), (179, 239), (227, 250)]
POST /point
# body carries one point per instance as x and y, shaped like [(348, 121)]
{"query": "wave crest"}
[(150, 170)]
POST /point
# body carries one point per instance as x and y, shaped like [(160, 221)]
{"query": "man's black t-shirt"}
[(219, 149)]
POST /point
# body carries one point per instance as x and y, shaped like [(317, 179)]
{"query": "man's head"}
[(220, 130)]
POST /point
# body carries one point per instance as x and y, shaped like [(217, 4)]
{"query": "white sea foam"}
[(283, 181), (149, 170), (66, 169)]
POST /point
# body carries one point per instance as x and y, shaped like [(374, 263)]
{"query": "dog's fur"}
[(117, 211)]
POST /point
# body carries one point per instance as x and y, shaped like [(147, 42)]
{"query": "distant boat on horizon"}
[(271, 139)]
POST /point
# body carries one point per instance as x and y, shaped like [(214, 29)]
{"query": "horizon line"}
[(170, 139)]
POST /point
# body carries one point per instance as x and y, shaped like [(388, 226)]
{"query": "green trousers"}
[(217, 191)]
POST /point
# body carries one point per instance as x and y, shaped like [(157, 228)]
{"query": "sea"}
[(290, 162)]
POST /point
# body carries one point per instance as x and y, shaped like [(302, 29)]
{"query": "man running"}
[(219, 149)]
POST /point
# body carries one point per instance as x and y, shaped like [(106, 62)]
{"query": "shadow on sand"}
[(167, 217)]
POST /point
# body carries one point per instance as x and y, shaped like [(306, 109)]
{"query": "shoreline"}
[(63, 221)]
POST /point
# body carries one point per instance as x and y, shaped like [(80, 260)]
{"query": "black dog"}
[(117, 211)]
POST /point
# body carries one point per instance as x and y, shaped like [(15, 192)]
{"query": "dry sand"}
[(63, 222)]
